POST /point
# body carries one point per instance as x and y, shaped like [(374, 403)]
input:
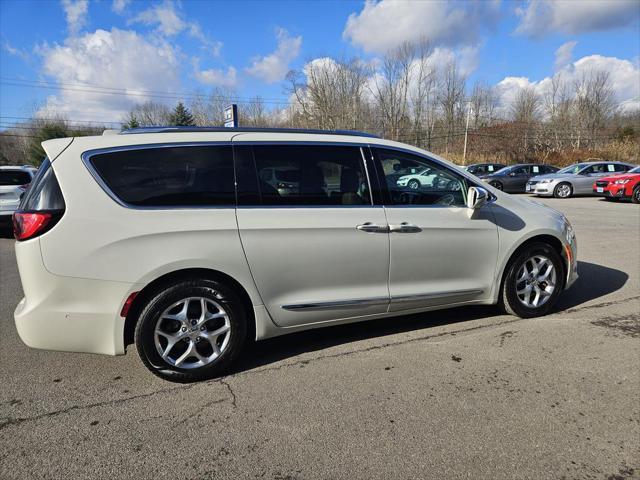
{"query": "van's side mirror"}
[(476, 197)]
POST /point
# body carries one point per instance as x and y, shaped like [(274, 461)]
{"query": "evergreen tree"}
[(181, 116), (132, 122)]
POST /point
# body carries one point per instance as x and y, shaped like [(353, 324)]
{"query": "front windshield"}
[(635, 170), (575, 168)]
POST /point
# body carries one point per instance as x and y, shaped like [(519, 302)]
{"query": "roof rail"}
[(245, 130)]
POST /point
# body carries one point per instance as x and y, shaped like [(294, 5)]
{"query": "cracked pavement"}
[(461, 393)]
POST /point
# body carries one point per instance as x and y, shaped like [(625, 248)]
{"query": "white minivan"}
[(177, 240)]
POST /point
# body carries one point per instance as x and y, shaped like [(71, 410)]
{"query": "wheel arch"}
[(552, 240), (166, 279)]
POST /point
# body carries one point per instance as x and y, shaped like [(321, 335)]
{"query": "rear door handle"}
[(372, 228), (405, 227)]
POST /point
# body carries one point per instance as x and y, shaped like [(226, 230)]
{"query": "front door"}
[(316, 245), (439, 254)]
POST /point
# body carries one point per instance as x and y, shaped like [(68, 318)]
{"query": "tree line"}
[(408, 97)]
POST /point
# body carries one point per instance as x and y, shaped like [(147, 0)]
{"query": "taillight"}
[(41, 206), (28, 225)]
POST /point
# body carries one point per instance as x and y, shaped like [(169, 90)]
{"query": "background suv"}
[(575, 179), (174, 240), (14, 181), (513, 179)]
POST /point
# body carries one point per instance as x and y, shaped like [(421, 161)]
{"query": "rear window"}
[(14, 178), (169, 176)]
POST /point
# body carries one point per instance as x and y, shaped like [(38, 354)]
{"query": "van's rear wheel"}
[(192, 330), (533, 281)]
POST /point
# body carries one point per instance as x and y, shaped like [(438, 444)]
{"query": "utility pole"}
[(466, 133)]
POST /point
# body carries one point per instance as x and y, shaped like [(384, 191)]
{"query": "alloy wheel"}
[(192, 333), (536, 281), (563, 190)]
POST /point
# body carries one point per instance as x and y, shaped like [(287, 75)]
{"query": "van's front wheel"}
[(192, 330), (533, 281)]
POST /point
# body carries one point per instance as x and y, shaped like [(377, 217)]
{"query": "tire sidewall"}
[(556, 190), (635, 194), (144, 332), (510, 298), (413, 184), (497, 185)]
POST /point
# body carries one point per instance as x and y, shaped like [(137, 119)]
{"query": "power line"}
[(89, 88)]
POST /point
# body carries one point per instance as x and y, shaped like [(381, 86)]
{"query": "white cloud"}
[(116, 59), (76, 12), (216, 77), (386, 24), (624, 76), (169, 22), (564, 54), (541, 17), (274, 67), (118, 6), (16, 52)]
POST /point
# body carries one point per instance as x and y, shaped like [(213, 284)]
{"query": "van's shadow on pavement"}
[(594, 282)]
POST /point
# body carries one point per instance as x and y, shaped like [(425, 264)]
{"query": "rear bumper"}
[(65, 313)]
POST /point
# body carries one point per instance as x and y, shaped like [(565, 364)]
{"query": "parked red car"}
[(625, 185)]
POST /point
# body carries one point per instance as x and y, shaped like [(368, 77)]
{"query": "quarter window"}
[(435, 185), (311, 175), (172, 176)]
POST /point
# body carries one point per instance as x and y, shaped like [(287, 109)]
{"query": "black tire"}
[(557, 192), (206, 288), (635, 195), (509, 300), (497, 185), (413, 184)]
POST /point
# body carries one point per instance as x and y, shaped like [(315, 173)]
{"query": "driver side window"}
[(415, 180)]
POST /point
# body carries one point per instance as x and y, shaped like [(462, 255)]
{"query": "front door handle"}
[(405, 227), (372, 228)]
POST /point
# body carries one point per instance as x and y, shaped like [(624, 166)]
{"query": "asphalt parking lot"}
[(465, 393)]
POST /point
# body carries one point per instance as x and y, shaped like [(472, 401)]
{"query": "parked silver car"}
[(14, 181), (575, 179)]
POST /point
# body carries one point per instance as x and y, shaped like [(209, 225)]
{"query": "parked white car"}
[(171, 239), (423, 177), (14, 181)]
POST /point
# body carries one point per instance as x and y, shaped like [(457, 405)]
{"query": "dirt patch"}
[(628, 325)]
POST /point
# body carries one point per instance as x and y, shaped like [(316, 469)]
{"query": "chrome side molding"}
[(431, 296), (366, 302), (355, 303)]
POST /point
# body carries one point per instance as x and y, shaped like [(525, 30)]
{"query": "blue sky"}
[(248, 46)]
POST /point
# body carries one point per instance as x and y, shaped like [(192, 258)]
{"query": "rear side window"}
[(14, 178), (169, 176), (44, 192), (310, 175)]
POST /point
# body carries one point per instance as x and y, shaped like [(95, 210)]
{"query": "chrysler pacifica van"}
[(190, 242)]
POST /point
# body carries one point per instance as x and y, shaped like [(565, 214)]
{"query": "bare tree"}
[(422, 93), (594, 103), (484, 102), (208, 109), (330, 94), (150, 114), (452, 99)]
